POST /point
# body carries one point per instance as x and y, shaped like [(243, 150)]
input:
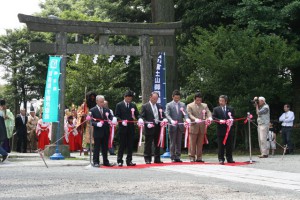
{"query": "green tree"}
[(23, 70)]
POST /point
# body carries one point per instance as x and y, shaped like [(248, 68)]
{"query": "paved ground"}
[(24, 176)]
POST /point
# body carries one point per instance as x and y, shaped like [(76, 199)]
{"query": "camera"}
[(254, 101)]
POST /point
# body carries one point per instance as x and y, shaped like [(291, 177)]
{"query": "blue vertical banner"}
[(51, 98), (159, 84)]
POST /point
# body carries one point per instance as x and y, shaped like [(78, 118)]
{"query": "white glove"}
[(150, 125), (140, 121), (114, 121), (173, 122), (124, 122), (222, 121), (197, 120), (210, 118), (165, 120), (188, 121), (99, 124)]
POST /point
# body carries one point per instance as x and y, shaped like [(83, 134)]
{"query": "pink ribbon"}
[(186, 135), (132, 113), (160, 112), (203, 114), (207, 123), (246, 120), (88, 118), (182, 110), (111, 135), (161, 141), (140, 125), (229, 124)]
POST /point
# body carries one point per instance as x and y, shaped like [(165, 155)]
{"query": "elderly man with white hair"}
[(263, 121)]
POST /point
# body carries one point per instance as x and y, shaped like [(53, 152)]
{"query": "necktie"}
[(177, 108), (127, 105), (101, 112), (155, 112), (224, 111)]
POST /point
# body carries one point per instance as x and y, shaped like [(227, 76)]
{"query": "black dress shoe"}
[(120, 164), (199, 160), (221, 162), (96, 165), (158, 162), (178, 160), (131, 164), (230, 161), (4, 158), (173, 160), (148, 162), (108, 164)]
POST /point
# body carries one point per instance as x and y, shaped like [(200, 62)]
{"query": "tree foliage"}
[(24, 72)]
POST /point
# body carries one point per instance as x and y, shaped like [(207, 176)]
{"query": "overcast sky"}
[(9, 10)]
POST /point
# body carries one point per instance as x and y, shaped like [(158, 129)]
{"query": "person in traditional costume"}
[(43, 131), (88, 104), (70, 133), (31, 130), (9, 120)]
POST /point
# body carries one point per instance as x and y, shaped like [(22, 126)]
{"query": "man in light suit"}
[(175, 112), (123, 112), (197, 111), (150, 113), (21, 129), (221, 113), (101, 131)]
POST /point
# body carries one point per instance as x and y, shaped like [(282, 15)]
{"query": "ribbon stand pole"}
[(249, 131)]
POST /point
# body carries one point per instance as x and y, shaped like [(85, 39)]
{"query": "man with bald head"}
[(263, 121)]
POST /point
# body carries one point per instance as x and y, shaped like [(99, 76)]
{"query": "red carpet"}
[(141, 166)]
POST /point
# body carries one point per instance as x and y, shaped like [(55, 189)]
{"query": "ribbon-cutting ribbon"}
[(160, 112), (182, 110), (141, 126), (111, 135), (186, 134), (229, 123), (207, 123), (248, 118), (132, 113), (161, 141)]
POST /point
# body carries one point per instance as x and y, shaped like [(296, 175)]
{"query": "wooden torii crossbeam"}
[(104, 29)]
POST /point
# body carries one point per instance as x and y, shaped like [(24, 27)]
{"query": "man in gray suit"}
[(175, 112)]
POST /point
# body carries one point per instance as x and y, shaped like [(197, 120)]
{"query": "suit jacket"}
[(100, 132), (148, 116), (194, 112), (21, 127), (218, 114), (124, 113), (171, 114)]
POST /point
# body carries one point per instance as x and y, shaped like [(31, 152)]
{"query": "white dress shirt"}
[(287, 118)]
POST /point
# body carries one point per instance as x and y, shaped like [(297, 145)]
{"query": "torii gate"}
[(104, 29)]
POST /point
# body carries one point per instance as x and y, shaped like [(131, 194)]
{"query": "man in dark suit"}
[(221, 113), (101, 131), (21, 129), (126, 111), (150, 113)]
